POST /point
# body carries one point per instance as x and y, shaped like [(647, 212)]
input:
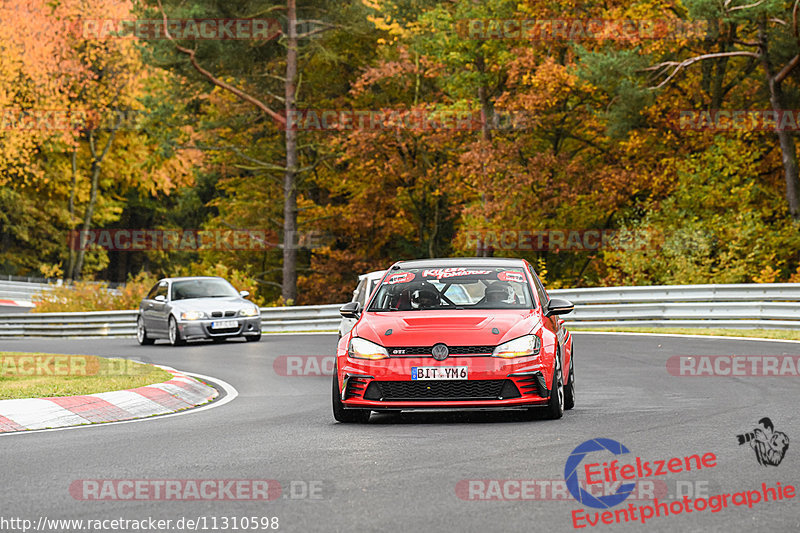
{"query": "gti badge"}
[(440, 351)]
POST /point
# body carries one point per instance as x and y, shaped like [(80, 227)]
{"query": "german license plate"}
[(225, 324), (438, 372)]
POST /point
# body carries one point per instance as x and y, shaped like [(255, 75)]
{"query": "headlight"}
[(520, 347), (192, 315), (363, 349), (249, 311)]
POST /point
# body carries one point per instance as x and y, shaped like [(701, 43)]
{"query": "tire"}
[(569, 389), (174, 333), (141, 333), (555, 407), (348, 416), (252, 338)]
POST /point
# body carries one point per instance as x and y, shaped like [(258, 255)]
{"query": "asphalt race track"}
[(401, 472)]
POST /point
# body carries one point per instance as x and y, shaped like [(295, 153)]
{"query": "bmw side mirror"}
[(557, 306), (244, 294), (350, 310), (160, 298)]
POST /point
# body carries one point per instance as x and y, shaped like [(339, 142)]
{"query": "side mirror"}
[(160, 298), (244, 294), (557, 306), (350, 310)]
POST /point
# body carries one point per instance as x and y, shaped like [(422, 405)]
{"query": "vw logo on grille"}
[(440, 351)]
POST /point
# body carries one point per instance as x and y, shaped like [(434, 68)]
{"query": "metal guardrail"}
[(767, 306), (20, 290), (123, 323)]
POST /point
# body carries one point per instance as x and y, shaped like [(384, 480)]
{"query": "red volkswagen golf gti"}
[(460, 333)]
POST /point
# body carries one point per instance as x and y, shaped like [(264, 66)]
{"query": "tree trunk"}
[(72, 240), (97, 163), (289, 286), (788, 152), (87, 219), (788, 148)]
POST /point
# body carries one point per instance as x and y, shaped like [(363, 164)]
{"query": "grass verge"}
[(782, 334), (41, 375)]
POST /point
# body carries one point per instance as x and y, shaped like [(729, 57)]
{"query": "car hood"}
[(232, 303), (454, 328)]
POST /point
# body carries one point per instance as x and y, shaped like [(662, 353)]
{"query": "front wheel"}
[(174, 333), (141, 333), (252, 338), (569, 390), (555, 407), (358, 416)]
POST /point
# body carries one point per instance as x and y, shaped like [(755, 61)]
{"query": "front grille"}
[(220, 314), (426, 350), (487, 389), (355, 387)]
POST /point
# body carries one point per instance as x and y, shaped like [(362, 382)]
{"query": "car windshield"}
[(453, 288), (202, 288)]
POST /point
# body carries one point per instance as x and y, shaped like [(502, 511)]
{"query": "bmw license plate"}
[(438, 372), (225, 324)]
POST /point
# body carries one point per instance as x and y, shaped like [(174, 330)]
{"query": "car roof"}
[(189, 278), (450, 262), (378, 274)]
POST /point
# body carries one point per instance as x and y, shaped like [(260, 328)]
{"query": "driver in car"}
[(425, 298), (499, 292)]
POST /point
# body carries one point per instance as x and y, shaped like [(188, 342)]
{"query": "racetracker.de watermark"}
[(60, 119), (562, 29), (734, 365), (737, 120), (561, 240), (188, 240), (30, 365), (428, 120), (556, 489), (182, 29), (199, 489)]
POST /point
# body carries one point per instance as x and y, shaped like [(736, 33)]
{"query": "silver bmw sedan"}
[(202, 307)]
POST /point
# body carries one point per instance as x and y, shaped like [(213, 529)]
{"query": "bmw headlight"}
[(249, 311), (519, 347), (192, 315), (363, 349)]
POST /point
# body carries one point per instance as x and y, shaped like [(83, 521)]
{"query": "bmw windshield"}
[(421, 289), (202, 288)]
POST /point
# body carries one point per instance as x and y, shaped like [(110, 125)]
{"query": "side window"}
[(371, 284), (162, 290), (358, 294), (152, 293), (543, 298)]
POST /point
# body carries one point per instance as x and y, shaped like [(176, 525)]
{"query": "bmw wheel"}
[(174, 333), (141, 333)]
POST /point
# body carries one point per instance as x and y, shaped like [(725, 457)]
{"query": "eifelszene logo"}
[(616, 472), (770, 445), (571, 474)]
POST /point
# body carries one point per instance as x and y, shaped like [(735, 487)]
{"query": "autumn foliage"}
[(574, 134)]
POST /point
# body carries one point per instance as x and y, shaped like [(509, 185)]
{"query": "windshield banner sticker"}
[(403, 277), (516, 277), (440, 273)]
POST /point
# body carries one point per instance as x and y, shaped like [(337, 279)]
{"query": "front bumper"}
[(493, 383), (201, 329)]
